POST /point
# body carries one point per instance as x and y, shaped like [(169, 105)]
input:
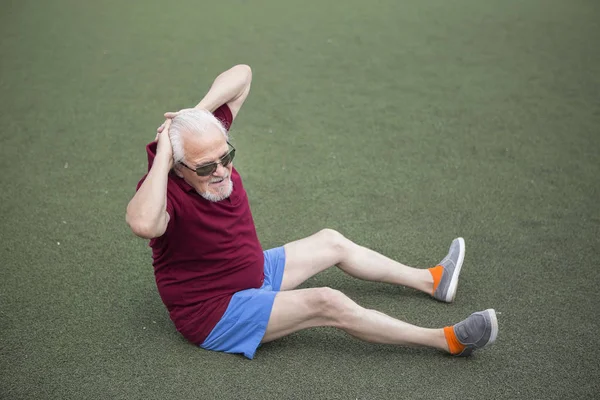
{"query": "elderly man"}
[(225, 293)]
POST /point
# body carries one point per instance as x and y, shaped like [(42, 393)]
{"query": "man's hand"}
[(173, 114), (164, 147), (169, 115)]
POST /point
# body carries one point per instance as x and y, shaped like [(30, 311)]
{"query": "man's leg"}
[(309, 256), (295, 310)]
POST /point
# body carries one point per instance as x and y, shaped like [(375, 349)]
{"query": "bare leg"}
[(300, 309), (309, 256)]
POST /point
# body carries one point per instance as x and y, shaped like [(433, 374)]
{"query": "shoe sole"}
[(454, 281), (492, 313)]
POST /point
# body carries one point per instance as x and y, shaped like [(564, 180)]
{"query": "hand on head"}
[(163, 138), (164, 142), (169, 115), (173, 114)]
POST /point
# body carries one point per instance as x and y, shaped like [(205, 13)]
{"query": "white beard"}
[(224, 193)]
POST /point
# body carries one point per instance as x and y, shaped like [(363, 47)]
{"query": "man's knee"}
[(334, 240), (333, 305)]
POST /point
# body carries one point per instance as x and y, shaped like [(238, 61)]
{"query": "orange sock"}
[(453, 344), (436, 272)]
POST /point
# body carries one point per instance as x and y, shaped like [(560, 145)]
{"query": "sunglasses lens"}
[(228, 158), (206, 170)]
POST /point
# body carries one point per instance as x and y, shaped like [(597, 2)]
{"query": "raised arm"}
[(231, 87), (147, 211)]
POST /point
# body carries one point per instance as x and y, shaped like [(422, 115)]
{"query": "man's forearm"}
[(146, 212), (227, 87)]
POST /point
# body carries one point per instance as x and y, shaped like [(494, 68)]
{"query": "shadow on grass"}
[(331, 342)]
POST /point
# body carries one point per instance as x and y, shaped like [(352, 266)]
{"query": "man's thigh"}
[(294, 310), (309, 256)]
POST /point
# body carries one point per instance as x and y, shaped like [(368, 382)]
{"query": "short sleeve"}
[(224, 115)]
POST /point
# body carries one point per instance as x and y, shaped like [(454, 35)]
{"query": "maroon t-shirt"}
[(209, 251)]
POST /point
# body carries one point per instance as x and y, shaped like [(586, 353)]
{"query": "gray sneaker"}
[(477, 331), (452, 264)]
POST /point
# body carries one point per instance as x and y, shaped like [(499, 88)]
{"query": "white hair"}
[(194, 121)]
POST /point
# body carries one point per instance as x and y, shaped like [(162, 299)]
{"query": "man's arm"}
[(147, 211), (230, 87)]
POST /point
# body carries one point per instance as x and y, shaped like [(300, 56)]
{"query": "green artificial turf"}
[(402, 124)]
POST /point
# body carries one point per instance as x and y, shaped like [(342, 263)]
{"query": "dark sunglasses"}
[(210, 168)]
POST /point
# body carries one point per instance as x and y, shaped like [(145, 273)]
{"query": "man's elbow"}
[(142, 229), (244, 72)]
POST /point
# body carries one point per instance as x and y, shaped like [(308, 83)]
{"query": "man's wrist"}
[(206, 105), (163, 160)]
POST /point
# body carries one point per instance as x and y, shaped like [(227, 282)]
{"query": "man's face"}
[(204, 149)]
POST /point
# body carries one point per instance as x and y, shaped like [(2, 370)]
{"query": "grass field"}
[(402, 124)]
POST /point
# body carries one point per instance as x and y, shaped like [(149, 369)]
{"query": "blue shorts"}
[(244, 323)]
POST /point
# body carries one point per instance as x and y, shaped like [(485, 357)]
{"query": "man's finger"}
[(171, 114), (161, 128), (166, 125)]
